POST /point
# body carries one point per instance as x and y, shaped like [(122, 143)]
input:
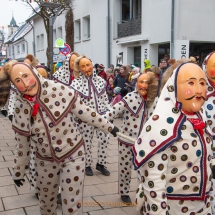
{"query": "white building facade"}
[(143, 29), (129, 31)]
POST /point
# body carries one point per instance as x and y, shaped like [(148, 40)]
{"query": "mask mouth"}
[(198, 98), (143, 89), (29, 88)]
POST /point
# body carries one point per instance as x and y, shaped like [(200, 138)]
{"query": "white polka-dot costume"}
[(12, 100), (132, 109), (92, 92), (64, 74), (173, 159), (60, 156), (209, 106)]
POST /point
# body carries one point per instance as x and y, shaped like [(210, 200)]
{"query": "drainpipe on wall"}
[(108, 33), (131, 10), (172, 30)]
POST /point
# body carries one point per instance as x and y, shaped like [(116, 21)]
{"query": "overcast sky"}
[(20, 12)]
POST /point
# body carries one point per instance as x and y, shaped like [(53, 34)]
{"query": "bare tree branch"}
[(45, 13)]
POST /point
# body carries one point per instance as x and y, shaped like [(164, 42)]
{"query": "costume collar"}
[(63, 75), (54, 98), (133, 102), (83, 85)]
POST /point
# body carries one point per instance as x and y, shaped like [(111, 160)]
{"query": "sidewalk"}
[(100, 192)]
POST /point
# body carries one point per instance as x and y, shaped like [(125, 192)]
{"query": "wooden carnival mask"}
[(142, 85), (24, 80), (86, 67), (191, 87), (71, 61), (210, 68), (43, 72)]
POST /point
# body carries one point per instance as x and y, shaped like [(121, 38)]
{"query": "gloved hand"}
[(114, 131), (19, 182), (4, 112), (10, 117), (213, 171)]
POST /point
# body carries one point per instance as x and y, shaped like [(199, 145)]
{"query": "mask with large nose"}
[(24, 80), (86, 67), (191, 87)]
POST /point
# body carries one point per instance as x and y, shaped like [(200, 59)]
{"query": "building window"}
[(10, 51), (42, 41), (137, 56), (86, 27), (60, 32), (77, 28), (18, 49), (38, 43), (131, 9), (23, 47)]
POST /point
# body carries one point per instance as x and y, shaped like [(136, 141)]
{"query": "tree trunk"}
[(48, 42), (69, 28)]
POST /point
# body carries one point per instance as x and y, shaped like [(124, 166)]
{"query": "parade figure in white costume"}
[(174, 150), (44, 113), (133, 109), (65, 74), (209, 105), (92, 91)]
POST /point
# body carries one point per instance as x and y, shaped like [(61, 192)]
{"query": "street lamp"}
[(52, 5)]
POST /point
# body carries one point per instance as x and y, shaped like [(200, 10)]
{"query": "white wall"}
[(195, 20), (39, 29), (96, 47), (29, 38)]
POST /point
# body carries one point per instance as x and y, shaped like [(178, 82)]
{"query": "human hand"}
[(114, 131), (10, 117)]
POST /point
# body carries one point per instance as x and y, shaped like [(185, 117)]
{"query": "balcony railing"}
[(129, 27)]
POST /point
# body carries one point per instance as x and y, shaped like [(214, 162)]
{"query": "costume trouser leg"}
[(32, 166), (103, 140), (69, 174), (125, 167), (212, 195), (87, 134), (189, 207)]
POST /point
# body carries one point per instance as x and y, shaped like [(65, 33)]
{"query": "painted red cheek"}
[(212, 72), (31, 81), (20, 88)]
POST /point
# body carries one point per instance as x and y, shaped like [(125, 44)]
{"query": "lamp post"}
[(52, 5)]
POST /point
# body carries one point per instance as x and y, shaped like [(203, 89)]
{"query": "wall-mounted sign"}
[(66, 50), (59, 43)]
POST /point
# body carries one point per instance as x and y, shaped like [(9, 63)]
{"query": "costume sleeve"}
[(115, 110), (106, 101), (22, 152), (11, 102), (90, 116), (151, 194)]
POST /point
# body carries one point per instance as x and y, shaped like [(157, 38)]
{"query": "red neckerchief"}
[(35, 106), (72, 77), (144, 97), (198, 124), (188, 113)]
